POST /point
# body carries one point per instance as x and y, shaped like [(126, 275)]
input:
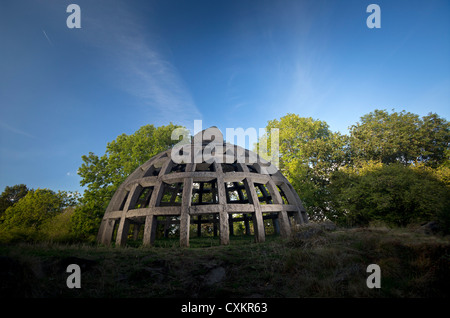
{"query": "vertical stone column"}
[(101, 230), (136, 229), (199, 225), (124, 225), (149, 230), (230, 224), (150, 220), (258, 222), (185, 218), (303, 215), (285, 229), (224, 230), (293, 199), (122, 232), (106, 231), (246, 224), (276, 226)]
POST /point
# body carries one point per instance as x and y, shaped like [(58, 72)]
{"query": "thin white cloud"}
[(141, 69), (15, 130), (239, 105), (48, 39), (156, 82)]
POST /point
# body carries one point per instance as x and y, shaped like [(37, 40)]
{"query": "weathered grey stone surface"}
[(227, 183)]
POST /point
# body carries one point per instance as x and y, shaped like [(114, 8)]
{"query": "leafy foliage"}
[(400, 137), (25, 218), (11, 195), (103, 175), (393, 167), (395, 194), (58, 228), (309, 153)]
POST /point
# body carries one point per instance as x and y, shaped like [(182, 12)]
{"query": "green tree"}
[(400, 137), (103, 175), (309, 153), (24, 218), (392, 193), (58, 228), (11, 195), (435, 139)]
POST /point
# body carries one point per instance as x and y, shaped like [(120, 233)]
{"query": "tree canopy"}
[(28, 214), (103, 175), (11, 195), (391, 167), (309, 153), (394, 194), (400, 137)]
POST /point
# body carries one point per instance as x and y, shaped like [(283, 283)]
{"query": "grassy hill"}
[(316, 262)]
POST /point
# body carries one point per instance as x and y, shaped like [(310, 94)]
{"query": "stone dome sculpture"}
[(215, 182)]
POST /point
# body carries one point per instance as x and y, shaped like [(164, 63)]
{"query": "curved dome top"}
[(203, 177)]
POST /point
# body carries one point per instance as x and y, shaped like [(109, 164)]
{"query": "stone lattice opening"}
[(264, 196), (122, 205), (178, 168), (204, 193), (172, 194), (205, 167), (143, 200), (236, 192), (163, 199), (153, 171), (205, 225), (283, 195), (231, 167)]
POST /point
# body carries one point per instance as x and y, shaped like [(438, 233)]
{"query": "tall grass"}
[(314, 262)]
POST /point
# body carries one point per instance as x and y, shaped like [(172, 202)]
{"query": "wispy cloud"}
[(239, 105), (151, 78), (15, 130), (143, 70), (46, 36)]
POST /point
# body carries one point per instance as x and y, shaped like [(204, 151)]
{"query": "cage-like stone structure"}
[(226, 188)]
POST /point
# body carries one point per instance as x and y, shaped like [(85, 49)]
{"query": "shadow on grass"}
[(202, 242)]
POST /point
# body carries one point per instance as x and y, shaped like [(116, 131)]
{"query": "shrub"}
[(36, 215), (58, 228), (393, 193)]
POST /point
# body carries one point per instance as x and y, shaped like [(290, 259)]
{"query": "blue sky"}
[(235, 63)]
